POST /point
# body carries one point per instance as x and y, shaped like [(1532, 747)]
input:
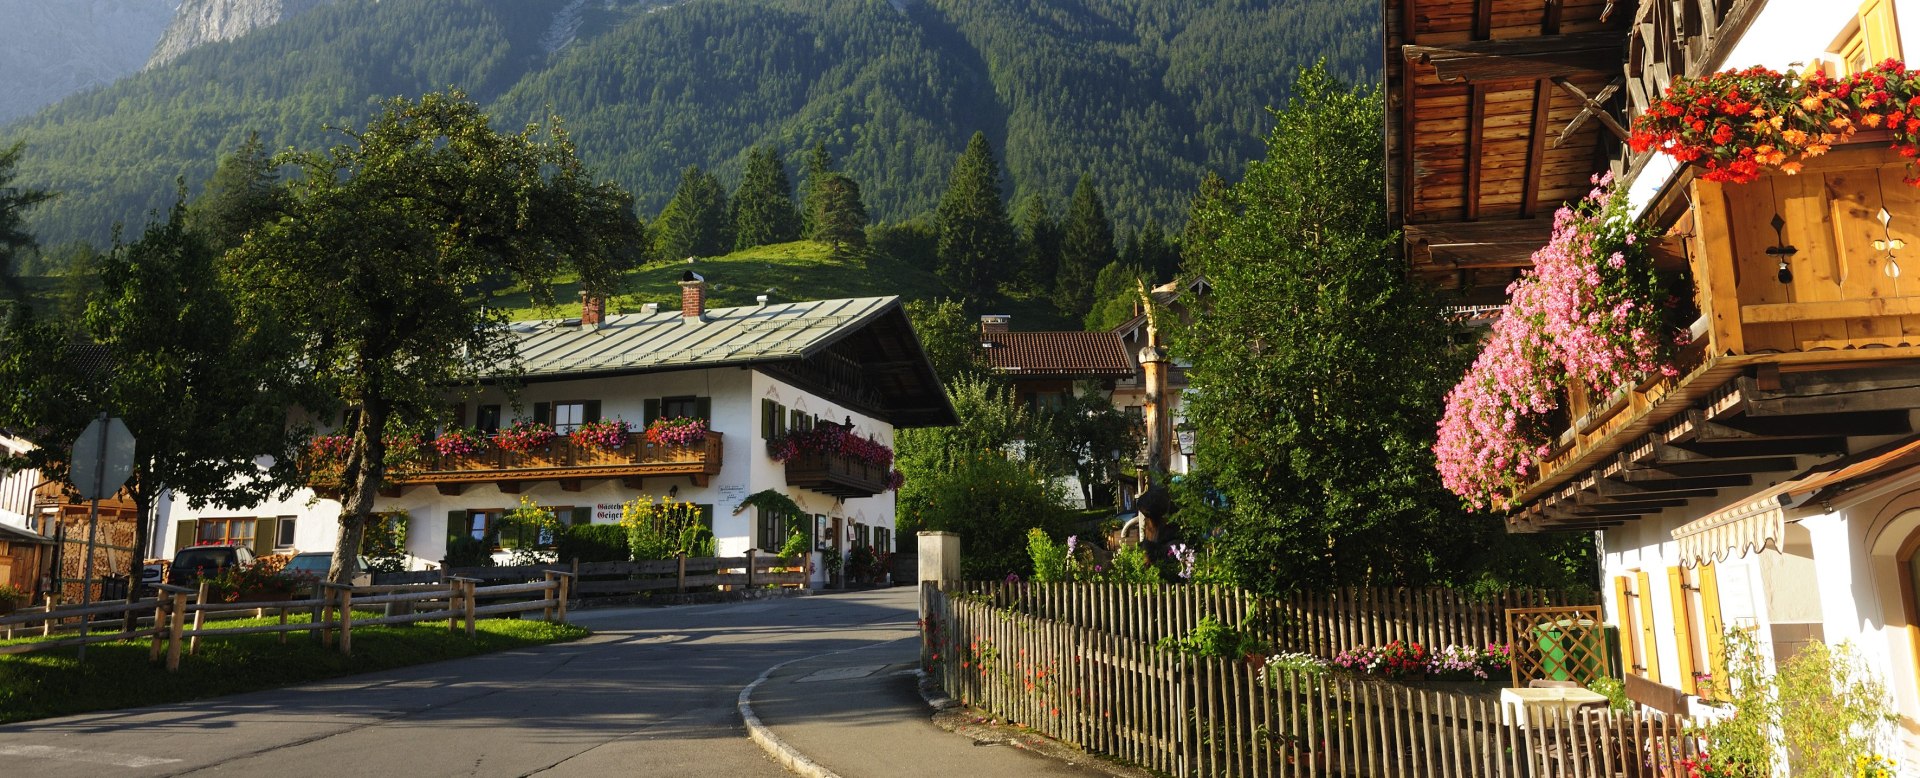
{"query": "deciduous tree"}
[(376, 265)]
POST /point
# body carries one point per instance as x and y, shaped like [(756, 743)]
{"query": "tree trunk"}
[(142, 514), (364, 470)]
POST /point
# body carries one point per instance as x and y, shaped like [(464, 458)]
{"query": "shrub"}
[(991, 502), (797, 545), (664, 529), (466, 551), (263, 581), (1293, 662), (1049, 558), (10, 593), (1214, 639), (1827, 707), (384, 542), (587, 543)]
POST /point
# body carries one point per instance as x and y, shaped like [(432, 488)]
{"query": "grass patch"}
[(118, 675)]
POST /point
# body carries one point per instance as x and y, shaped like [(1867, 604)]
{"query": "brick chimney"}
[(593, 310), (995, 323), (693, 296)]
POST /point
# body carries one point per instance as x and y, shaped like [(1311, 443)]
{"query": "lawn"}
[(118, 675)]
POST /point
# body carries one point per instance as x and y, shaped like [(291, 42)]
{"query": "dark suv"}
[(193, 563)]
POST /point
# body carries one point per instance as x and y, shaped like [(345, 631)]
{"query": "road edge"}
[(782, 751)]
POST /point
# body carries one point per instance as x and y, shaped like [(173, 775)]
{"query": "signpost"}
[(102, 461)]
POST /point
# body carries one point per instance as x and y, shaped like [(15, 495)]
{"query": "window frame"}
[(560, 427), (284, 529), (251, 523)]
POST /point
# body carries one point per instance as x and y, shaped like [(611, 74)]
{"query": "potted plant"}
[(460, 443), (604, 435), (831, 560), (524, 436), (860, 564), (11, 599), (677, 432)]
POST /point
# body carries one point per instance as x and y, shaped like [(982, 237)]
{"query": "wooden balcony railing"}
[(1851, 298), (560, 459), (836, 474)]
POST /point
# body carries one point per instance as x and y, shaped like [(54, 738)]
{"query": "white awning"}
[(1755, 523)]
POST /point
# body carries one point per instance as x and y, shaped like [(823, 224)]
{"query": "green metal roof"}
[(667, 340)]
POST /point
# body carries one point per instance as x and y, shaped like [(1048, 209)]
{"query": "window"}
[(862, 535), (284, 538), (822, 532), (883, 540), (528, 535), (226, 532), (480, 524), (488, 418), (680, 407), (773, 417), (1872, 36), (775, 526), (568, 415)]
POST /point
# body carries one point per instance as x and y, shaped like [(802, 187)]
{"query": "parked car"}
[(193, 563), (315, 564)]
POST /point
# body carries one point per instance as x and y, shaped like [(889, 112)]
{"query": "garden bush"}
[(587, 543)]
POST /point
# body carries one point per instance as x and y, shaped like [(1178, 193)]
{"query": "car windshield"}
[(304, 563), (204, 557)]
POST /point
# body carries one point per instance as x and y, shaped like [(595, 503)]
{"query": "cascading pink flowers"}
[(1591, 310)]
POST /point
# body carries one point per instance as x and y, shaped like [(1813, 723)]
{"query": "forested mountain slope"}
[(1143, 94)]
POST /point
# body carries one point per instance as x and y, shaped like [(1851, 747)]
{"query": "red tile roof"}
[(1064, 354)]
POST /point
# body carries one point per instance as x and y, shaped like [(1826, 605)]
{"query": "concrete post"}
[(939, 560)]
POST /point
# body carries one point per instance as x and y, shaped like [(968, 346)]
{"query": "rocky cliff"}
[(49, 50), (206, 21)]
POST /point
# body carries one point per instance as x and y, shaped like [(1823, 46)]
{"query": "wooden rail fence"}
[(616, 578), (1186, 716), (179, 614), (1322, 624)]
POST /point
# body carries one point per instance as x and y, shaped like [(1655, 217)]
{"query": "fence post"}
[(453, 605), (159, 626), (566, 588), (681, 582), (750, 563), (176, 621), (199, 617), (546, 613), (469, 585), (346, 622)]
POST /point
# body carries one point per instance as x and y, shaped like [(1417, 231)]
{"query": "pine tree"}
[(244, 193), (1039, 243), (1086, 246), (1208, 210), (842, 218), (1158, 255), (819, 165), (14, 241), (976, 238), (694, 223), (763, 210)]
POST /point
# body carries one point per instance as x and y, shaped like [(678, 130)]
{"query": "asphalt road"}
[(651, 694)]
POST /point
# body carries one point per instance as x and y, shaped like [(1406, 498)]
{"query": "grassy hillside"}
[(1144, 94), (787, 272)]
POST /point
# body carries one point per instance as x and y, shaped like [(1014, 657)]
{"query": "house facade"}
[(1771, 485), (749, 375)]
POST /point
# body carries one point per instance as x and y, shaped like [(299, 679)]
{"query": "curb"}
[(782, 751), (947, 710)]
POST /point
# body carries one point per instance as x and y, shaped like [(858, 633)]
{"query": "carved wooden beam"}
[(1515, 59), (1595, 108)]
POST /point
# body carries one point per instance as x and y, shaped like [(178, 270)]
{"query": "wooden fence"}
[(1186, 716), (179, 614), (1322, 624), (616, 578)]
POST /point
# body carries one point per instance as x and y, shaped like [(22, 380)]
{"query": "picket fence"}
[(616, 578), (1116, 694)]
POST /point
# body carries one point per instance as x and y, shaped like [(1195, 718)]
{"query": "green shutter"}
[(456, 526), (543, 413), (264, 531), (581, 516), (651, 411), (184, 534), (706, 516), (703, 408), (766, 419), (779, 419), (591, 413)]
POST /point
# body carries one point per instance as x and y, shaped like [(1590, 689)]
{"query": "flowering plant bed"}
[(677, 431), (832, 439), (1738, 123), (523, 436), (605, 434), (460, 443), (1592, 311)]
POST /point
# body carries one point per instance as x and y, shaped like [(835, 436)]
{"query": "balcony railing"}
[(561, 459), (838, 475)]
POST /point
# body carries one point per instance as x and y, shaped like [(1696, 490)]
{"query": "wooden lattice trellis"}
[(1564, 643)]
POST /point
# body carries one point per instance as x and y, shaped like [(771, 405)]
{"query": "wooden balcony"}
[(1780, 368), (561, 460), (837, 475)]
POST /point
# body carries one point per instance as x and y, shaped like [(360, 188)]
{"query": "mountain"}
[(200, 22), (53, 48), (1143, 94)]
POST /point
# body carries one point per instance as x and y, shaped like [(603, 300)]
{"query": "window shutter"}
[(797, 421), (456, 526), (651, 411), (264, 532), (780, 419), (581, 516), (459, 412), (543, 413), (706, 516), (703, 408), (766, 419), (184, 534), (591, 413)]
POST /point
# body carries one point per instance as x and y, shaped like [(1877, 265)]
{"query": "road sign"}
[(102, 462)]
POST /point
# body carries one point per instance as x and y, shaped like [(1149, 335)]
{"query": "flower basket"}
[(677, 432), (602, 435), (460, 444), (524, 436)]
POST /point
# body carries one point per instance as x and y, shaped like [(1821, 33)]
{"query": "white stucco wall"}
[(745, 467)]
